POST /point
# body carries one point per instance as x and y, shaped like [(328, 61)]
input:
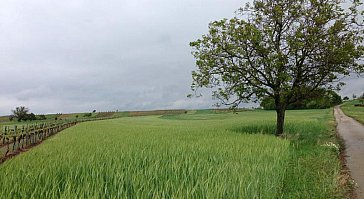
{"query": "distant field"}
[(356, 112), (200, 154), (4, 120)]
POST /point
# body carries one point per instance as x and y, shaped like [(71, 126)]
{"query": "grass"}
[(314, 169), (203, 155), (4, 120), (355, 112)]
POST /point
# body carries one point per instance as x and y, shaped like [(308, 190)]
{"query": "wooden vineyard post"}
[(36, 138), (5, 134), (14, 137), (6, 139), (26, 135), (34, 129), (20, 138), (42, 131), (7, 148), (47, 131), (1, 134), (50, 130), (31, 134), (39, 135), (34, 134), (23, 144)]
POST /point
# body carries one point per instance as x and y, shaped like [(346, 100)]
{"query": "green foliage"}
[(284, 49), (334, 98), (319, 99), (361, 99), (30, 117), (87, 115), (203, 155), (42, 117), (268, 103), (11, 117), (20, 113)]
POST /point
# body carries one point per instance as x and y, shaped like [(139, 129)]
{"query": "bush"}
[(29, 117), (42, 117), (87, 115)]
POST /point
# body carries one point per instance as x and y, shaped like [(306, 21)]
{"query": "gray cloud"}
[(354, 84), (78, 55)]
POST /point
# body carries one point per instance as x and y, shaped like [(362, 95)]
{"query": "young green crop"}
[(184, 156)]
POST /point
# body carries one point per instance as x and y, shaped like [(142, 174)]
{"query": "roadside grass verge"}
[(314, 167), (356, 112)]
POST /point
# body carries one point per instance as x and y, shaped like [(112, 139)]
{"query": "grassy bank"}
[(356, 112), (194, 155)]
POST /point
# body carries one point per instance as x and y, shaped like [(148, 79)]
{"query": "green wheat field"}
[(200, 154)]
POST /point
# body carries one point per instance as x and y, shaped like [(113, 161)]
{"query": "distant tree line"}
[(319, 99), (21, 113)]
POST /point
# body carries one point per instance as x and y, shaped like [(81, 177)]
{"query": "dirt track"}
[(353, 134)]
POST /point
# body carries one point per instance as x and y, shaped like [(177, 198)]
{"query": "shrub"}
[(87, 115), (42, 117)]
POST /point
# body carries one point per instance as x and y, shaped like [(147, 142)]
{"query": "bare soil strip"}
[(353, 134)]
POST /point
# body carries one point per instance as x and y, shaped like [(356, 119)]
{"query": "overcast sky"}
[(80, 55)]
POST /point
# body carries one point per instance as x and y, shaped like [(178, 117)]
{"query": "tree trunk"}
[(281, 111)]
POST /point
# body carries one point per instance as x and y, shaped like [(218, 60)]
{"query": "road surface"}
[(353, 134)]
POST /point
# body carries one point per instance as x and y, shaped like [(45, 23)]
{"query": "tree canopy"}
[(284, 49), (319, 99), (20, 113)]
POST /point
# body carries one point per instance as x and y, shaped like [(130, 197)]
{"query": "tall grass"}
[(182, 156), (149, 158), (356, 112)]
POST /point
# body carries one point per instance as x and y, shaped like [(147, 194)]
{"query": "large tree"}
[(284, 49), (20, 113)]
